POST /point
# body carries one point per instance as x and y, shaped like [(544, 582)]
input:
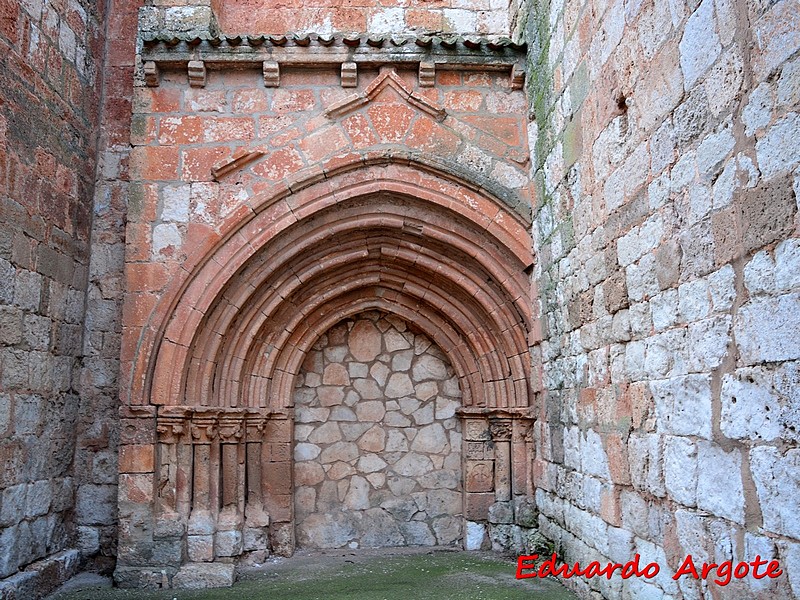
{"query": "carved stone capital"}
[(231, 429), (500, 430), (204, 430)]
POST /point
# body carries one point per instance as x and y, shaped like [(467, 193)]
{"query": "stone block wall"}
[(666, 158), (460, 17), (51, 57), (96, 458), (378, 443)]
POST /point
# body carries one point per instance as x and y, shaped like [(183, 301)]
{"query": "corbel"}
[(349, 75), (152, 74), (197, 73), (272, 74), (517, 77), (427, 74)]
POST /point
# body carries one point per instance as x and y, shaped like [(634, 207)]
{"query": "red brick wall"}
[(50, 81)]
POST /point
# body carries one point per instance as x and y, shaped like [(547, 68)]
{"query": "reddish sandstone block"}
[(280, 451), (146, 277), (279, 508), (480, 476), (427, 134), (279, 164), (9, 17), (137, 431), (278, 431), (180, 130), (270, 124), (448, 78), (359, 131), (138, 308), (463, 100), (324, 143), (136, 459), (221, 129), (506, 129), (154, 163), (250, 101), (349, 19), (391, 121), (425, 19), (201, 100), (289, 100), (477, 505), (198, 162), (156, 100), (136, 488)]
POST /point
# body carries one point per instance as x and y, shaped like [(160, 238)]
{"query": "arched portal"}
[(221, 358)]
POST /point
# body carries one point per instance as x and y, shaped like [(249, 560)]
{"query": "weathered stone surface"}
[(335, 374), (683, 405), (417, 533), (325, 531), (374, 440), (750, 408), (399, 385), (713, 466), (428, 367), (767, 331), (680, 469), (364, 341), (204, 575), (475, 536), (370, 411), (430, 439), (778, 486)]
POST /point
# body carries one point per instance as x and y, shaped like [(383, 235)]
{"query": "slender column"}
[(478, 471), (501, 435), (256, 518), (171, 517), (201, 521), (229, 523), (520, 457)]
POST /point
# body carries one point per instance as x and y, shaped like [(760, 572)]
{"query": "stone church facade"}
[(480, 274)]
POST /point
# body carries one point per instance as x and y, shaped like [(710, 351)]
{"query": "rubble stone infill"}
[(378, 445)]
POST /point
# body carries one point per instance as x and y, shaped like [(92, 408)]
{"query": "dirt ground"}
[(388, 574)]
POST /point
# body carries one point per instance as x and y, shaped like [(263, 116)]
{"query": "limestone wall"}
[(49, 98), (378, 445), (666, 227)]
